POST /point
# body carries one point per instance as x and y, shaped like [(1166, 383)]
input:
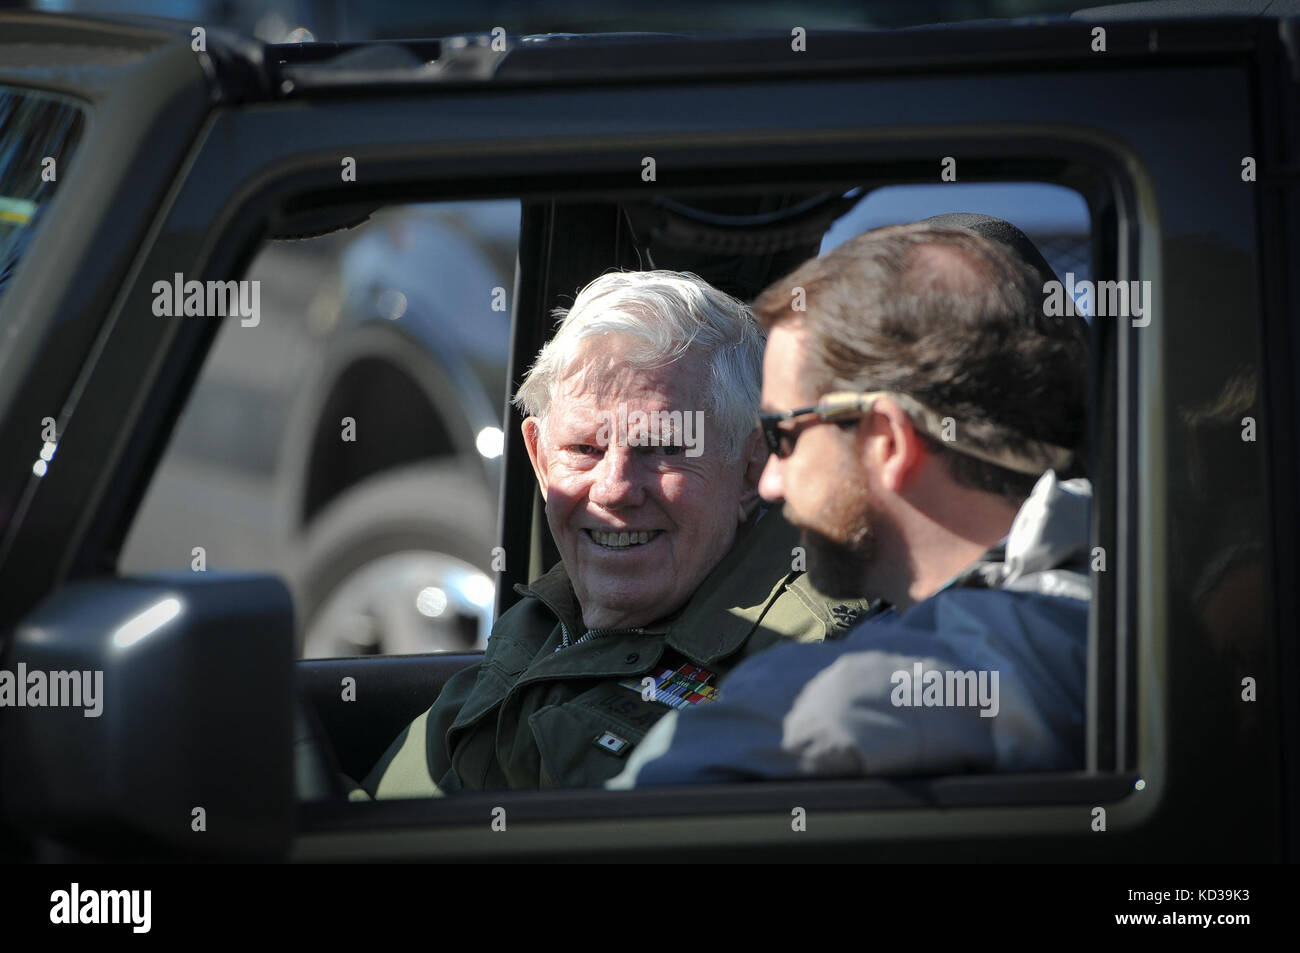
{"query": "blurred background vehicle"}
[(352, 442)]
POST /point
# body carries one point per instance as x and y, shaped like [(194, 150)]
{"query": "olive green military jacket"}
[(529, 716)]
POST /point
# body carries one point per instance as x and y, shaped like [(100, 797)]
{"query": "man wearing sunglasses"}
[(926, 421)]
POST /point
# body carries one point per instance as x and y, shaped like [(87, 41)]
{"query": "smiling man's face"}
[(638, 527)]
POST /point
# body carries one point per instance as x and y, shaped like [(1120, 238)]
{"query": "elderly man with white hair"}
[(640, 425)]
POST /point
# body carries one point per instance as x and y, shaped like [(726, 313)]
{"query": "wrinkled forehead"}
[(602, 378)]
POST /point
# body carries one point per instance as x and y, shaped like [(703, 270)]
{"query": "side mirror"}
[(152, 717)]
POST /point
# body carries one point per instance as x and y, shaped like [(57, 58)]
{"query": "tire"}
[(444, 510), (445, 415)]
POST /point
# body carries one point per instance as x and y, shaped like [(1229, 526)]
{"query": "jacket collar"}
[(724, 609), (1049, 533), (555, 591)]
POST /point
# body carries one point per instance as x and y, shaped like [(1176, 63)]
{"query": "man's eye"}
[(585, 449), (669, 449)]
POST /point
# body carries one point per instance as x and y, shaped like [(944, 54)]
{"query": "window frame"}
[(266, 155)]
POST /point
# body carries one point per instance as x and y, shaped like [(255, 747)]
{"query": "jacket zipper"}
[(590, 634)]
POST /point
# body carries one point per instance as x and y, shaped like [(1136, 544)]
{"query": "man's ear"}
[(898, 449), (754, 454), (532, 428)]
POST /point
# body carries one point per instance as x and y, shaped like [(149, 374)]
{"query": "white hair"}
[(669, 314)]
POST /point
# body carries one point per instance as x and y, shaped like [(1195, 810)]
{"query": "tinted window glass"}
[(38, 134)]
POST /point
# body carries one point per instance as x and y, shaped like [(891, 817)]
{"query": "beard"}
[(840, 537), (838, 569)]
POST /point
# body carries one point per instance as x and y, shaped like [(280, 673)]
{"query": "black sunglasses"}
[(842, 407)]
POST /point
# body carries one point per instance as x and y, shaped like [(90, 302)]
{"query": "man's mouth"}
[(623, 540)]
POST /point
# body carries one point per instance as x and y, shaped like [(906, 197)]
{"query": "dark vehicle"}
[(732, 156)]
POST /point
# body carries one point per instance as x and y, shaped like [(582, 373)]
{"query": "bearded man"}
[(925, 417)]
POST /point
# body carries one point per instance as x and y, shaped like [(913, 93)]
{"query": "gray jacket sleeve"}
[(1008, 696)]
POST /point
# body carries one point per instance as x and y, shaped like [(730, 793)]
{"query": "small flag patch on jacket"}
[(680, 688), (612, 742)]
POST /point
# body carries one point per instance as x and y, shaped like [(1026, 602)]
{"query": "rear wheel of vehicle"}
[(399, 563)]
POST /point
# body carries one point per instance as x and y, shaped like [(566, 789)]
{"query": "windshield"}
[(38, 134)]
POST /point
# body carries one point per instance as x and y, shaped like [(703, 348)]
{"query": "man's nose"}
[(619, 480), (770, 485)]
